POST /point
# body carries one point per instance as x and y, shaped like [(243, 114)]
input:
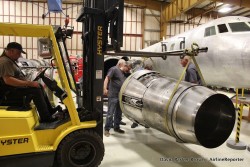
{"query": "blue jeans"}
[(114, 114)]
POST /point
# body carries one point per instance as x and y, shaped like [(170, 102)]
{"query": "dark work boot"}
[(119, 130), (134, 125), (122, 123)]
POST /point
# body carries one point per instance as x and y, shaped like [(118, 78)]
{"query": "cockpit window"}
[(209, 31), (239, 27), (222, 28)]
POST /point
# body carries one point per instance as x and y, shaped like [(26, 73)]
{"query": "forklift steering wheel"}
[(40, 74)]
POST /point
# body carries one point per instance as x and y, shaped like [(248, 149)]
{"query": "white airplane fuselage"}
[(227, 61)]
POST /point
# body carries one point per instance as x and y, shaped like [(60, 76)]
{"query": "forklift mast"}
[(99, 18)]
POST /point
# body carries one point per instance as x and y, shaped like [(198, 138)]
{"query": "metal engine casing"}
[(195, 114)]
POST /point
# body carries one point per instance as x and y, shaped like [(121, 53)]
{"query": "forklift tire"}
[(82, 148)]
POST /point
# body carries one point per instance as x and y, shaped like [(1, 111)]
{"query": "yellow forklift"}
[(71, 141), (76, 140)]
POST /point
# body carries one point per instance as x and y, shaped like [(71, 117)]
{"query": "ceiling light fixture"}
[(219, 3), (224, 10)]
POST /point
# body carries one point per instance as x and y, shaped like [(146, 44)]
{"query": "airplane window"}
[(239, 27), (210, 31), (222, 28)]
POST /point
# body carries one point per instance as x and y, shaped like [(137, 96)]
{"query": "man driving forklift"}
[(14, 84)]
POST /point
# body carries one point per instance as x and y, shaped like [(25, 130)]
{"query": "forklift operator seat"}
[(11, 99)]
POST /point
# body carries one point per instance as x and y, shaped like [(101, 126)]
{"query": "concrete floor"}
[(141, 147)]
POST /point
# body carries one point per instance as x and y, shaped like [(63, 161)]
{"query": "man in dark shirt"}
[(191, 71), (111, 88), (13, 80)]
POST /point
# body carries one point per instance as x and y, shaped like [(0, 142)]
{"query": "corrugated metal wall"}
[(141, 26), (175, 28), (152, 27), (133, 28), (31, 13)]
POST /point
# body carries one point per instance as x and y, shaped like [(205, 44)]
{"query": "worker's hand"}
[(105, 92), (33, 84)]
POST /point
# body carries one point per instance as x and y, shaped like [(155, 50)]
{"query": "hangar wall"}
[(141, 26), (31, 13), (184, 23), (133, 28), (176, 26), (152, 27)]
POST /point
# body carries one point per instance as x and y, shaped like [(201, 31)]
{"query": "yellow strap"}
[(199, 71), (145, 58), (176, 86), (194, 52), (174, 91)]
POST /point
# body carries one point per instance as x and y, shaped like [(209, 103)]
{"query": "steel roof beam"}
[(173, 10), (149, 4)]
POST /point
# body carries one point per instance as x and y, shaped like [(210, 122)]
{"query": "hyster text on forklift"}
[(75, 140)]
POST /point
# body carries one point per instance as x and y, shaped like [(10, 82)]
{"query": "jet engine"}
[(195, 114)]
